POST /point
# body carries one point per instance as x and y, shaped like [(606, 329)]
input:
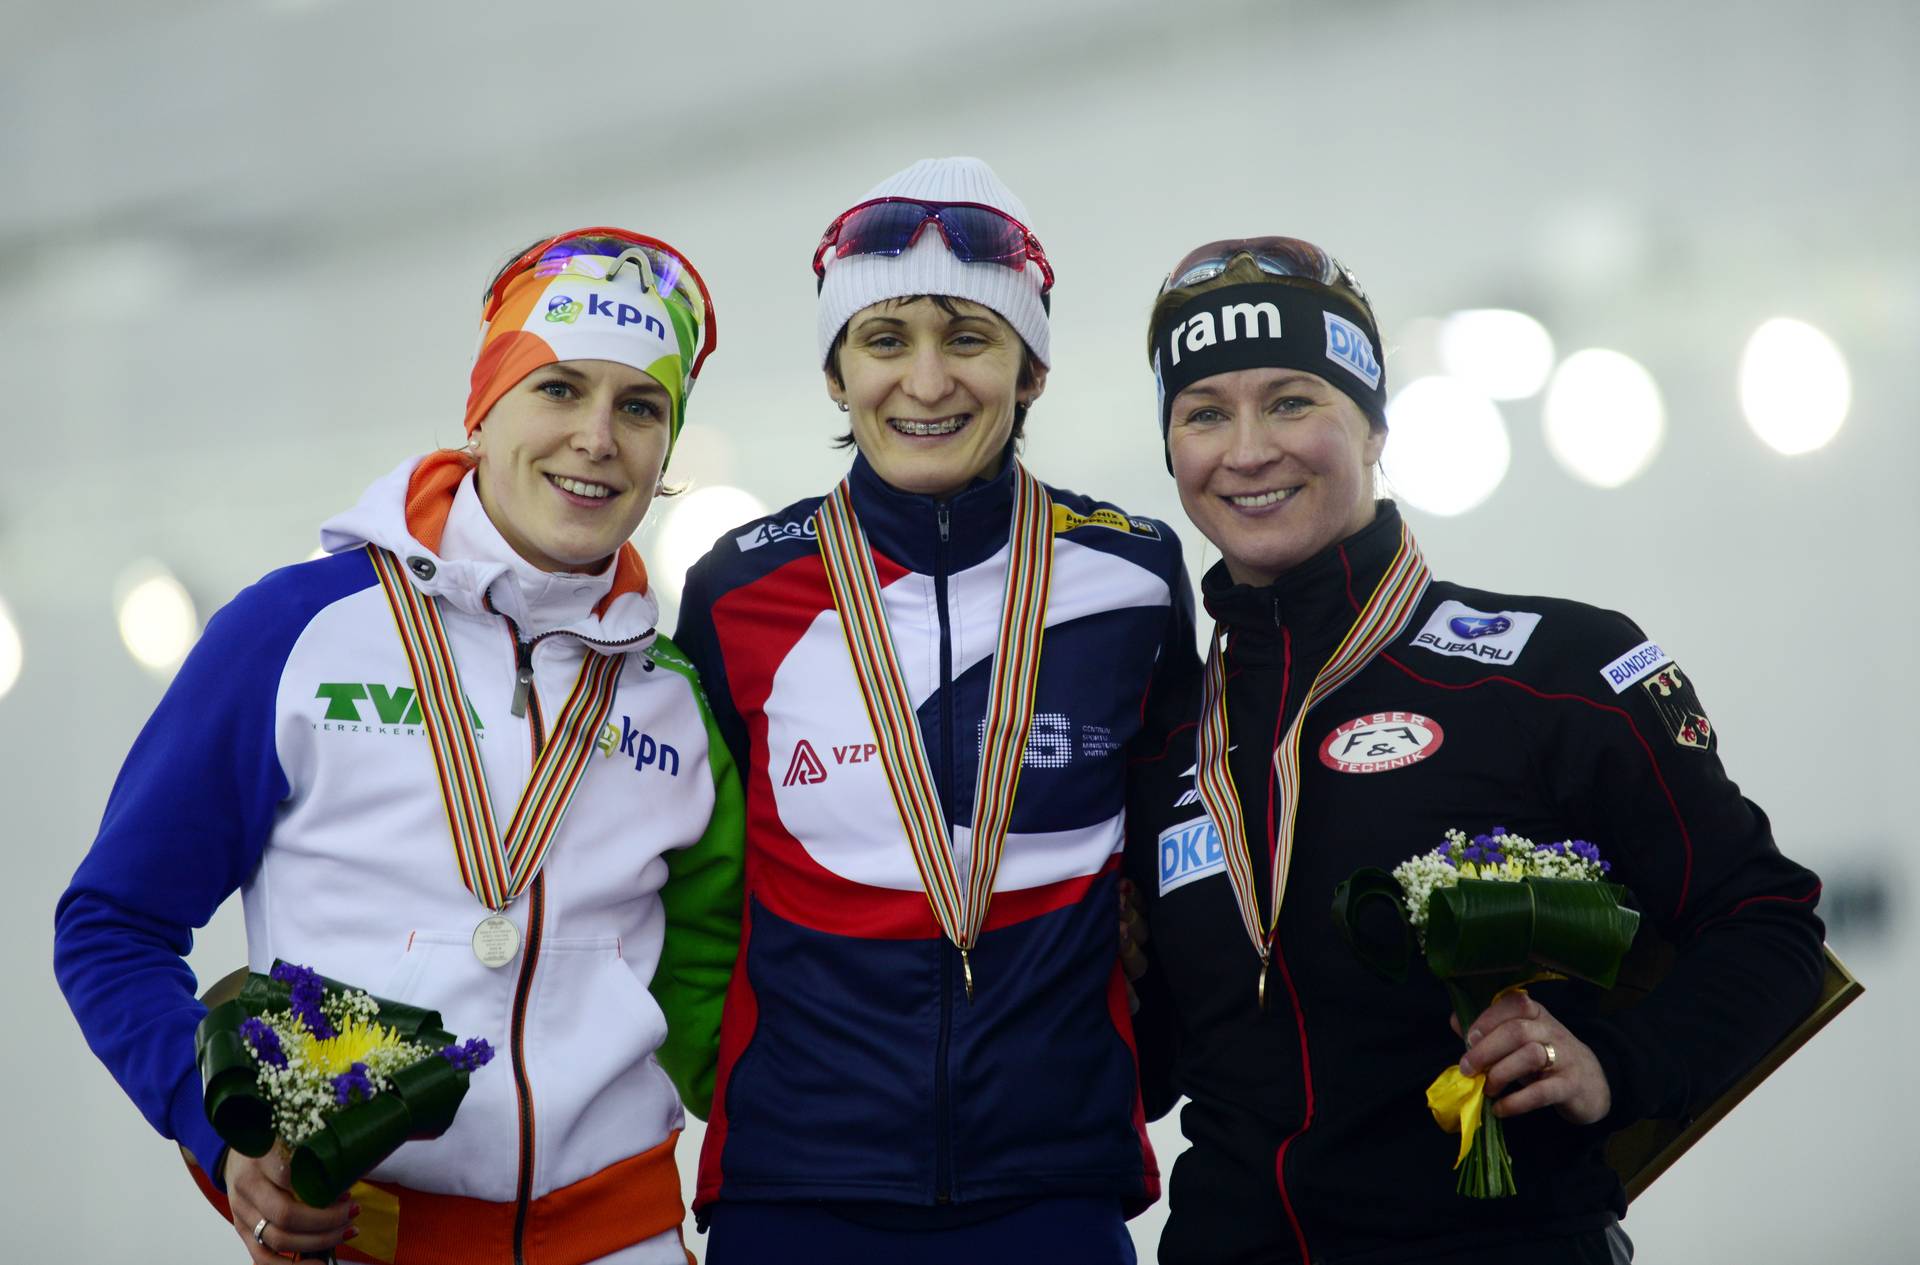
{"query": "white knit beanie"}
[(928, 268)]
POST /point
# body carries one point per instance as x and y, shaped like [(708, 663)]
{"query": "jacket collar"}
[(1315, 602), (428, 513), (905, 526)]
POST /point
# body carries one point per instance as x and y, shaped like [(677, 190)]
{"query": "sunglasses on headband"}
[(975, 234), (1277, 256), (587, 251)]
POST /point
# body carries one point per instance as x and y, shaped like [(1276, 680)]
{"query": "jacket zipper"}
[(526, 702), (942, 1091), (1280, 957)]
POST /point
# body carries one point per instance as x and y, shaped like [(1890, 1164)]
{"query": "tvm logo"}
[(394, 705)]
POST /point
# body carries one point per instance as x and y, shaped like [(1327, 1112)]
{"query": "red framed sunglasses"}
[(975, 233), (582, 252)]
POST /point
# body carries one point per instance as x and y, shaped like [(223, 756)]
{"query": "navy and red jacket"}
[(853, 1068), (1311, 1137)]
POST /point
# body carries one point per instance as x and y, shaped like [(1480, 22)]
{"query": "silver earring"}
[(842, 404)]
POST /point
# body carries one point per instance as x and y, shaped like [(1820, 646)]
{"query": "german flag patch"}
[(1679, 708)]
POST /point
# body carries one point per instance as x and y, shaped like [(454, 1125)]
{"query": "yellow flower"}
[(358, 1040)]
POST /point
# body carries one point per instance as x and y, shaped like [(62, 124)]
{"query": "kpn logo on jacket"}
[(646, 751)]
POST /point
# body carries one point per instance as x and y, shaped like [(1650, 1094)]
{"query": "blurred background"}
[(1648, 274)]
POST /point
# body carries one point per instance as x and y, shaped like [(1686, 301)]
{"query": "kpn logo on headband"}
[(564, 309), (1349, 347)]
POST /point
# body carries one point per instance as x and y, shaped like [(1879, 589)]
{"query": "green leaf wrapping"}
[(234, 1103), (1381, 938), (1484, 936), (1570, 926), (422, 1102)]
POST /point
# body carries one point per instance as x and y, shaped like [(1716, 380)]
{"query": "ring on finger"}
[(1553, 1055), (260, 1231)]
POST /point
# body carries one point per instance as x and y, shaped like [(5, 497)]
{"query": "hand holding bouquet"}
[(340, 1077), (1491, 914)]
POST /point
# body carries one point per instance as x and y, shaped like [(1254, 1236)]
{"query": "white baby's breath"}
[(301, 1092), (1501, 857)]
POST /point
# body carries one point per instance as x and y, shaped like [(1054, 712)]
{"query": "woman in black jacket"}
[(1363, 709)]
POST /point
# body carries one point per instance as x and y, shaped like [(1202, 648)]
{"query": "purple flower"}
[(265, 1042), (476, 1053), (307, 991), (1497, 831), (352, 1085)]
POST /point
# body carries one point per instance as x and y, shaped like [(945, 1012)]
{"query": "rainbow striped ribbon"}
[(1386, 614), (896, 730), (494, 869)]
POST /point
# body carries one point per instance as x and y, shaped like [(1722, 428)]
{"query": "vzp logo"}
[(805, 769), (646, 752), (561, 308), (392, 705)]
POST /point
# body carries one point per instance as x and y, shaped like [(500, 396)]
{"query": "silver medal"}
[(496, 940)]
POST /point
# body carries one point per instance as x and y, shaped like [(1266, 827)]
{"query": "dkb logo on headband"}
[(1349, 347)]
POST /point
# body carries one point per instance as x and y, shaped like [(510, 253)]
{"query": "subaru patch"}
[(1349, 347), (1679, 708), (1457, 629), (1189, 851), (1380, 742), (1633, 667)]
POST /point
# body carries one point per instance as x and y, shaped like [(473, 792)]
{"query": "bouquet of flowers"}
[(1491, 914), (341, 1077)]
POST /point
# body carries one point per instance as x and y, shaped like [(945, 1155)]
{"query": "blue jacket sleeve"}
[(185, 825), (697, 638)]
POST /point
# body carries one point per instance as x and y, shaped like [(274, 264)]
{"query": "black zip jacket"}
[(1311, 1139)]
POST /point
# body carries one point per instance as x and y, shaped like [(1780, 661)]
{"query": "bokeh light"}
[(1794, 386), (1503, 354), (11, 651), (691, 525), (158, 623), (1447, 446), (1604, 418)]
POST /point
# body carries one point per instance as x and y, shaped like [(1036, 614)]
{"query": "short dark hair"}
[(946, 304)]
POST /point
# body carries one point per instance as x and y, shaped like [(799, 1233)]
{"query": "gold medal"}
[(1386, 614), (496, 940), (960, 909)]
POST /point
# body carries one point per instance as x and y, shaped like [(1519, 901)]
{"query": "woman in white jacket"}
[(481, 621)]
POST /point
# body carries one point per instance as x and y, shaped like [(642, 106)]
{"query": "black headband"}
[(1271, 325)]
